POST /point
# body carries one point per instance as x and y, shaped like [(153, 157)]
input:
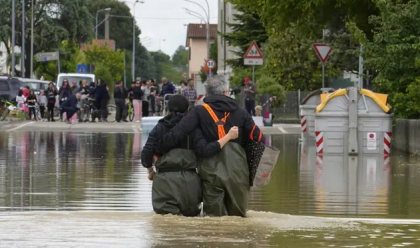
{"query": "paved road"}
[(112, 127)]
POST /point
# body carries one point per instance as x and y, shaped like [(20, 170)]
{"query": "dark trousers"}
[(69, 112), (42, 110), (121, 109), (50, 107), (250, 106), (32, 111), (145, 108), (104, 109)]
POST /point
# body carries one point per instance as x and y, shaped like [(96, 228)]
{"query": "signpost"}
[(253, 56), (211, 64), (323, 51), (51, 56)]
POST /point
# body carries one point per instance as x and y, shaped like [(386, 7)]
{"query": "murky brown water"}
[(88, 190)]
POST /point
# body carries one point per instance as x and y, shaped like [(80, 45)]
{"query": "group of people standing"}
[(143, 97)]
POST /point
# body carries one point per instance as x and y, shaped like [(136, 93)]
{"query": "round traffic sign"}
[(211, 63)]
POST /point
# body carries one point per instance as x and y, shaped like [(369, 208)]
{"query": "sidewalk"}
[(123, 127)]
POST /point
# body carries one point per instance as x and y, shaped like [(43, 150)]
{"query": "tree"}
[(180, 57), (247, 29), (112, 61), (120, 22), (54, 21), (393, 54), (269, 86)]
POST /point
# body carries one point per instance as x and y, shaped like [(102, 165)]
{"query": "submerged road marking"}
[(20, 126), (282, 130)]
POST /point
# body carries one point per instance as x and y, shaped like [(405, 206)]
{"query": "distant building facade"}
[(196, 42), (225, 52)]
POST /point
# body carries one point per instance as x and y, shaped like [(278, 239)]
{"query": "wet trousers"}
[(137, 104), (225, 182)]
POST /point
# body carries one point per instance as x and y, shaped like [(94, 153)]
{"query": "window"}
[(4, 85), (16, 85)]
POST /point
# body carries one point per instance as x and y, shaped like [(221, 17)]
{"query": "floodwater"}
[(89, 190)]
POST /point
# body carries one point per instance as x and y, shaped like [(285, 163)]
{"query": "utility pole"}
[(13, 38), (107, 26), (22, 53), (32, 39)]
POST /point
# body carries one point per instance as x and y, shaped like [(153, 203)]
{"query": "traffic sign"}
[(82, 69), (47, 56), (253, 55), (211, 63), (323, 51)]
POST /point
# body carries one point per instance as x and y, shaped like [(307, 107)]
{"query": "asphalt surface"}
[(115, 127)]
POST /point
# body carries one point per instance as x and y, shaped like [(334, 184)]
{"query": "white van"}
[(35, 84), (74, 77)]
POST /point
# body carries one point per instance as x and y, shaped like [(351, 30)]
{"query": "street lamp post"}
[(13, 38), (22, 50), (97, 13), (32, 39), (206, 21), (133, 63)]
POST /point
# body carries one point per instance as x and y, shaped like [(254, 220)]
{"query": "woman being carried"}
[(176, 184)]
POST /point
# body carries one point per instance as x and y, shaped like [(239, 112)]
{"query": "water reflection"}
[(101, 174)]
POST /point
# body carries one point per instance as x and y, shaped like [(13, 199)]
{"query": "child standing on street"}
[(42, 101), (20, 100), (31, 101)]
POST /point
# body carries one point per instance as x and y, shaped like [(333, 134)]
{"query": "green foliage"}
[(248, 28), (54, 21), (393, 54), (180, 57), (102, 72), (269, 86), (113, 61), (120, 28)]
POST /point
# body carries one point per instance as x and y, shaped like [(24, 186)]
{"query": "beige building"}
[(225, 52), (196, 42)]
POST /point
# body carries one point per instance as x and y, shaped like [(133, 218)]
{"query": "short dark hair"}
[(189, 80)]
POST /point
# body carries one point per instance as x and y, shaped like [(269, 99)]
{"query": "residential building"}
[(196, 42), (225, 52)]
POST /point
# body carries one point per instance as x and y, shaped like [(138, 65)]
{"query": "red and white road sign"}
[(211, 63), (323, 51), (253, 55)]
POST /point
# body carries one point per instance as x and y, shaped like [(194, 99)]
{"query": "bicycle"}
[(8, 108), (94, 111), (130, 111)]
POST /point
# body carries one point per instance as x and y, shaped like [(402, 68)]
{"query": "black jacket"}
[(137, 93), (120, 93), (101, 92), (83, 90), (201, 119), (71, 102), (195, 141), (64, 92)]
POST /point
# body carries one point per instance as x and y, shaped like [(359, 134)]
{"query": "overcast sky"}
[(164, 20)]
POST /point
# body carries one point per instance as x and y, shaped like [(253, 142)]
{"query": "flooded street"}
[(89, 190)]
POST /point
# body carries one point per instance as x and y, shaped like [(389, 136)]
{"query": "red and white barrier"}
[(387, 143), (303, 123), (200, 97), (319, 162), (387, 163), (319, 137)]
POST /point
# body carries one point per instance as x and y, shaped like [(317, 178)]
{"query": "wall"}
[(406, 136), (225, 52), (198, 50)]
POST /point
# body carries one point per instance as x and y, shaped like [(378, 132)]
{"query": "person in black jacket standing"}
[(120, 96), (102, 98), (51, 93)]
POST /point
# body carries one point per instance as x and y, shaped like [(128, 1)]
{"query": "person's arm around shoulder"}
[(205, 149), (177, 134)]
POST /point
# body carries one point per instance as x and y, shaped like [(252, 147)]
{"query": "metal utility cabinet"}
[(307, 113), (354, 121)]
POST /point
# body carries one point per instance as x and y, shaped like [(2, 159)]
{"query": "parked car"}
[(74, 77), (35, 84), (9, 88)]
